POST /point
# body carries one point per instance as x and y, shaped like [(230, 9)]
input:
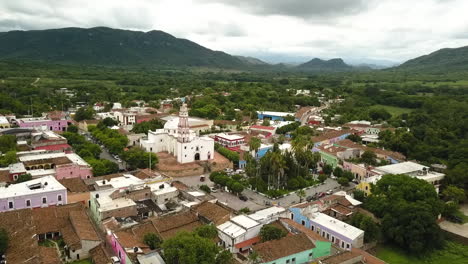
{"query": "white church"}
[(179, 140)]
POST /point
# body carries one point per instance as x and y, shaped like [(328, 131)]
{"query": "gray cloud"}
[(300, 8)]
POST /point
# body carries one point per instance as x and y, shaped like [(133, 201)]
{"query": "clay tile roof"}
[(343, 257), (341, 209), (75, 185), (286, 246), (56, 161), (332, 134), (213, 212), (367, 257), (82, 226), (225, 122), (70, 237), (166, 223), (49, 255), (179, 185), (53, 219), (127, 239), (5, 176), (99, 255), (350, 144), (22, 246)]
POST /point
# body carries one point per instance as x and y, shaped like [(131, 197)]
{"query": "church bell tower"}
[(183, 128)]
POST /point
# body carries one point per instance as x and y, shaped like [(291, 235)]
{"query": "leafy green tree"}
[(146, 126), (207, 231), (379, 114), (372, 231), (369, 158), (189, 248), (270, 232), (4, 241), (152, 240), (266, 122), (409, 208), (327, 169), (244, 210), (108, 122), (343, 181), (7, 143), (359, 195), (355, 138), (338, 172), (138, 158), (301, 194), (205, 188), (224, 257), (84, 113), (453, 193), (72, 129), (322, 177), (237, 187), (24, 177), (8, 158), (103, 167), (255, 144)]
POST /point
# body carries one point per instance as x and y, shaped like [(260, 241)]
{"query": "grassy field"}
[(394, 110), (452, 253)]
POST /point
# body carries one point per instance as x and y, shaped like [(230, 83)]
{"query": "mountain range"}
[(117, 47)]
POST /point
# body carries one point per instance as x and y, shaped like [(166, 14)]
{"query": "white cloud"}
[(386, 29)]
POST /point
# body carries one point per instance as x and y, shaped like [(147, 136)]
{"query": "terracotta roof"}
[(54, 147), (82, 226), (49, 255), (262, 127), (305, 204), (179, 185), (248, 242), (167, 223), (213, 212), (367, 257), (286, 246), (56, 161), (53, 219), (144, 174), (341, 209), (75, 185), (5, 176), (350, 144), (311, 234), (332, 134), (99, 255), (22, 246), (342, 257)]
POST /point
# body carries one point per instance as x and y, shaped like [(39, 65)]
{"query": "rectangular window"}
[(10, 205), (312, 227), (44, 200), (342, 244), (347, 246), (287, 261), (333, 239), (59, 198), (303, 222), (28, 203), (328, 236)]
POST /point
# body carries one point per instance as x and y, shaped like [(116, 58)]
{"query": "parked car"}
[(243, 197), (115, 260), (455, 219), (213, 189), (329, 192), (320, 195), (310, 198)]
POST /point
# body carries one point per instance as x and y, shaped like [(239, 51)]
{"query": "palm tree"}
[(301, 193), (277, 164), (255, 144)]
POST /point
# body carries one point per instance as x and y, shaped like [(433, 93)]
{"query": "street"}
[(256, 200), (104, 153)]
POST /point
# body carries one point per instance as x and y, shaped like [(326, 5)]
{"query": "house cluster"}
[(52, 121)]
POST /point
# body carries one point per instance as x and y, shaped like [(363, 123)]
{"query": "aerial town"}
[(233, 132)]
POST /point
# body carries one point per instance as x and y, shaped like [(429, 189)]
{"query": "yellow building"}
[(365, 184)]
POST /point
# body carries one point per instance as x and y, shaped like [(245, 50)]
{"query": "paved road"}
[(105, 154), (256, 200)]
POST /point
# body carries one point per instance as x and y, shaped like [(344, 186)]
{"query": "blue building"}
[(274, 116)]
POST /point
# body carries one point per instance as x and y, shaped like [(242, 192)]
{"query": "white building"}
[(236, 233), (163, 192), (413, 169), (269, 215), (179, 140)]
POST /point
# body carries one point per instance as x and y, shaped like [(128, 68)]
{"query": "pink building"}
[(41, 123), (59, 164), (43, 192)]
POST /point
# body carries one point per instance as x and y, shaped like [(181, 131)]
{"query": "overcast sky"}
[(356, 30)]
